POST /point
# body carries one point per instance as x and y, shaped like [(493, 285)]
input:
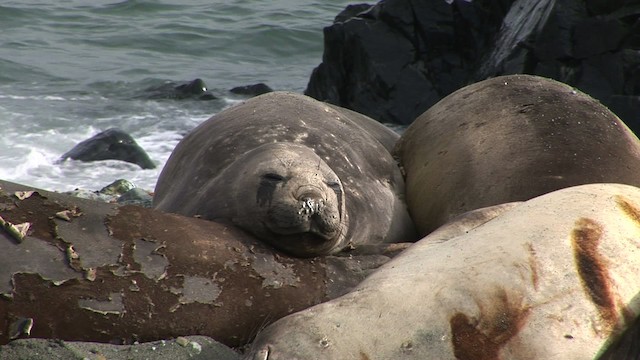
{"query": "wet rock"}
[(111, 144), (252, 90), (91, 195), (136, 196), (117, 187), (392, 61), (189, 347), (121, 191), (194, 89)]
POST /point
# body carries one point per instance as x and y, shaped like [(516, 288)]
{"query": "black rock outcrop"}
[(252, 90), (111, 144), (395, 59), (195, 89)]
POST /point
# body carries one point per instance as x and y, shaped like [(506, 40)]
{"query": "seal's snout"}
[(309, 213), (310, 200), (311, 206), (309, 192)]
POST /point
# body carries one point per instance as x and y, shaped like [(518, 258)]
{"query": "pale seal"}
[(550, 278), (305, 176)]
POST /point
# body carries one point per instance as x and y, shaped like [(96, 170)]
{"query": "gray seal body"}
[(307, 177)]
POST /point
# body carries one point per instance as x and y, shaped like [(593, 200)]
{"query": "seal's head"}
[(306, 335), (284, 194)]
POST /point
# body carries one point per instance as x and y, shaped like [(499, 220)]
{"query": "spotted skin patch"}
[(628, 208), (593, 271), (533, 264), (482, 339)]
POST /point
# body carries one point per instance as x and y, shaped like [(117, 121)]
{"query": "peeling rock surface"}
[(92, 271)]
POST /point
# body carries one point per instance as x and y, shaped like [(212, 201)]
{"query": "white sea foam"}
[(32, 158)]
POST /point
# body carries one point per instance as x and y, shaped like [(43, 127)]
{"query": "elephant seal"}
[(507, 139), (307, 177), (111, 144), (556, 277)]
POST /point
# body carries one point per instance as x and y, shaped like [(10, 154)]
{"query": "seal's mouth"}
[(311, 219), (294, 234), (303, 244), (302, 231)]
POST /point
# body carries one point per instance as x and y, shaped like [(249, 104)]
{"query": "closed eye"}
[(273, 177), (335, 186)]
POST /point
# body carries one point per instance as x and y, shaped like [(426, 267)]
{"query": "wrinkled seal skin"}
[(556, 277), (307, 177), (508, 139), (111, 144)]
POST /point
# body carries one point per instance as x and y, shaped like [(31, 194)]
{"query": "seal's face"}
[(290, 197)]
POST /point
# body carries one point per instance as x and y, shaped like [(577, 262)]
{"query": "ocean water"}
[(70, 69)]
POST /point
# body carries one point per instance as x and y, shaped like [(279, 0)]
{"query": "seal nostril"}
[(310, 206)]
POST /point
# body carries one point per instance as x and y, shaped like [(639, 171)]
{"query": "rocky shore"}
[(394, 60)]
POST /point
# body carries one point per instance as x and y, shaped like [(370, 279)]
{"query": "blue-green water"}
[(70, 69)]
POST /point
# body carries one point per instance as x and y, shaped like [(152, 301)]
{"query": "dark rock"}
[(207, 96), (603, 6), (252, 90), (111, 144), (626, 107), (109, 194), (352, 10), (194, 89), (396, 59), (190, 347), (594, 36), (631, 62), (393, 60), (136, 196), (117, 188), (120, 191), (91, 195)]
